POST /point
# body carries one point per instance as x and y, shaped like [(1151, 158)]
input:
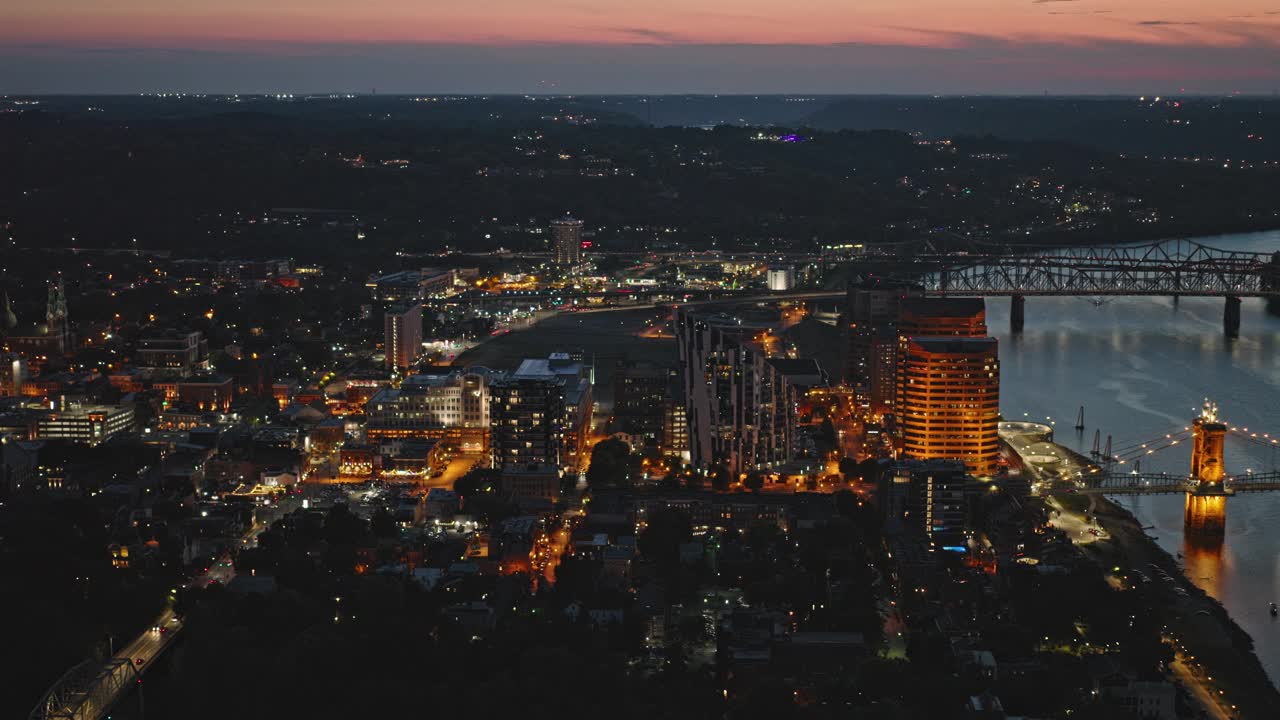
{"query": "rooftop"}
[(955, 345), (555, 365), (944, 306)]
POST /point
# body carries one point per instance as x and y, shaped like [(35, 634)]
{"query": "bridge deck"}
[(1154, 484)]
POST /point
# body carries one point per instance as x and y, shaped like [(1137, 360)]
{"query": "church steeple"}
[(56, 308)]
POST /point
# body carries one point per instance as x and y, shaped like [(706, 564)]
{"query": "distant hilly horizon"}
[(1186, 127)]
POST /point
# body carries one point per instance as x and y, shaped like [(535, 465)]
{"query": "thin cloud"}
[(647, 34), (1080, 12), (1046, 2), (1165, 23)]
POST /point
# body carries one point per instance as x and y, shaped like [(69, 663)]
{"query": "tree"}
[(755, 480), (383, 524), (828, 432), (476, 481), (664, 531), (693, 629), (846, 503), (762, 535), (848, 468), (721, 477), (611, 464), (869, 470)]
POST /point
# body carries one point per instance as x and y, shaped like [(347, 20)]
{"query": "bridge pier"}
[(1205, 514), (1206, 509), (1271, 282), (1017, 313), (1231, 317)]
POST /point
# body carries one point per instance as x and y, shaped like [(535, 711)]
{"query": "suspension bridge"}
[(1208, 483), (1122, 465)]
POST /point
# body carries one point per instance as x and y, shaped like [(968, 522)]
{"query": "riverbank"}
[(1219, 652)]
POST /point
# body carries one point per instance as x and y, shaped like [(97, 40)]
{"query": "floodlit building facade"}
[(949, 400), (452, 407), (402, 335), (566, 239), (88, 425)]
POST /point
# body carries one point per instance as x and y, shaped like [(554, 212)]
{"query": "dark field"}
[(605, 338)]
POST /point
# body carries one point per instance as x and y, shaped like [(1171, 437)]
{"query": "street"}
[(458, 466), (1196, 685), (142, 651)]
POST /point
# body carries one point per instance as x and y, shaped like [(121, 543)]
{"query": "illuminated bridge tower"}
[(1206, 512)]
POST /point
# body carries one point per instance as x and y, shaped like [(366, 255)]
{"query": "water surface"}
[(1142, 367)]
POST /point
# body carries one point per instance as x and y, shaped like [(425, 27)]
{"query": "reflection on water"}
[(1202, 561), (1142, 367)]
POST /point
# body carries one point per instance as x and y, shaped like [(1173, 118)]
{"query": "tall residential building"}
[(926, 497), (524, 418), (781, 278), (453, 407), (402, 335), (566, 240), (641, 396), (882, 370), (871, 314), (675, 429), (949, 400), (577, 398), (739, 407)]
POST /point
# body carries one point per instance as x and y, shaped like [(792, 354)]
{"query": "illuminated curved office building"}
[(949, 400)]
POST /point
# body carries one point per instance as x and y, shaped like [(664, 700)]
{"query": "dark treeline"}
[(477, 174)]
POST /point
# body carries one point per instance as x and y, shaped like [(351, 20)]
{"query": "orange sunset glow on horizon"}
[(930, 23), (618, 46)]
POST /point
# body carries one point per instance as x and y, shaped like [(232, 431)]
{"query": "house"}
[(441, 503)]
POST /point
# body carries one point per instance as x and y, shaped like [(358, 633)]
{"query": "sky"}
[(640, 46)]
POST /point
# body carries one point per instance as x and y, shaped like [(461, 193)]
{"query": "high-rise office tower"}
[(402, 335), (949, 400), (566, 239), (943, 317), (934, 317)]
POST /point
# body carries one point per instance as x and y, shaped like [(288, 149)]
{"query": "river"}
[(1142, 367)]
